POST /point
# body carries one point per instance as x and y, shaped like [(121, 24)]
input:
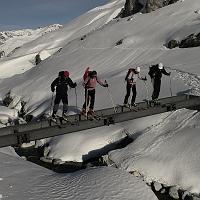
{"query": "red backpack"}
[(86, 74)]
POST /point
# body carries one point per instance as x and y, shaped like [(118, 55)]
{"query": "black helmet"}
[(61, 73), (93, 73)]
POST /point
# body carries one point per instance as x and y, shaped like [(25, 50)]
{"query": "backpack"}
[(86, 74), (152, 70)]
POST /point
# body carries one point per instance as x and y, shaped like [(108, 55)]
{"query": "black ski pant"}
[(156, 88), (128, 92), (59, 97), (89, 98)]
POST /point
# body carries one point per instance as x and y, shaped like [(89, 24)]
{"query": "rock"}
[(173, 192), (136, 173), (172, 44), (2, 54), (163, 191), (157, 186), (186, 193), (134, 6), (190, 41), (187, 197), (119, 42), (196, 198), (37, 59)]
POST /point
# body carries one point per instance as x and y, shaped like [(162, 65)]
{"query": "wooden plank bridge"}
[(23, 133)]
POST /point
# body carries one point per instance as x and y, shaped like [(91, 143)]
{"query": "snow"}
[(41, 183), (165, 147)]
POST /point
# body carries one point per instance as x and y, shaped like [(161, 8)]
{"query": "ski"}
[(152, 103), (132, 108), (94, 117), (54, 121)]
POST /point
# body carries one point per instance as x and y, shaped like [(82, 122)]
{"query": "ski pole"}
[(76, 99), (51, 103), (86, 102), (147, 91), (170, 83), (76, 104), (111, 98)]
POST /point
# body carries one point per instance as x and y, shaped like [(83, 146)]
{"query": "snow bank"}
[(95, 183), (167, 152)]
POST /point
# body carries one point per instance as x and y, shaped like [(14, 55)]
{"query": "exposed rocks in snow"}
[(37, 59), (2, 54), (192, 40), (83, 37), (145, 6), (119, 42), (173, 192), (173, 44), (157, 186)]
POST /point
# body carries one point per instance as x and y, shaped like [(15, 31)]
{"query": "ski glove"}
[(52, 89), (145, 78), (105, 85), (75, 84)]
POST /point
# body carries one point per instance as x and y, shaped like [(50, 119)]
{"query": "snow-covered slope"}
[(23, 57), (143, 43), (10, 40), (30, 181)]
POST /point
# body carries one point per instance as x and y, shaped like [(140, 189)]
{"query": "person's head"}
[(93, 74), (63, 74), (160, 66), (137, 70)]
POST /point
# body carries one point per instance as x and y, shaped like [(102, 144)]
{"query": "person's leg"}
[(56, 104), (86, 99), (154, 89), (128, 91), (134, 94), (157, 88), (65, 103), (92, 99)]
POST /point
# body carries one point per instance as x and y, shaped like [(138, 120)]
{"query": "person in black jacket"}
[(61, 83), (155, 73)]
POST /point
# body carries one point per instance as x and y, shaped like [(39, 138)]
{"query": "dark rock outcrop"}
[(133, 6), (190, 41), (173, 44)]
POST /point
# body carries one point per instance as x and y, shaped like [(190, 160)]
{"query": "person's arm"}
[(71, 83), (101, 83), (127, 75), (142, 78), (165, 72), (53, 84)]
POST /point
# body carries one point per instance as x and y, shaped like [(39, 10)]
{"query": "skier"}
[(90, 81), (131, 78), (155, 72), (61, 83)]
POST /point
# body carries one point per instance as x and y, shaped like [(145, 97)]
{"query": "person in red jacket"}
[(90, 81), (131, 77)]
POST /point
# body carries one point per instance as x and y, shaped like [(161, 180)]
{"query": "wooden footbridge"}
[(23, 133)]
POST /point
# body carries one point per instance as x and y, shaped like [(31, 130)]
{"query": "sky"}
[(18, 14)]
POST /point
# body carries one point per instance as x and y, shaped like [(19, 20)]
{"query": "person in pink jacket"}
[(90, 81)]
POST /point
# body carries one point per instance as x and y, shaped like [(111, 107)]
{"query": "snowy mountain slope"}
[(166, 152), (53, 41), (13, 39), (143, 39), (88, 184)]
